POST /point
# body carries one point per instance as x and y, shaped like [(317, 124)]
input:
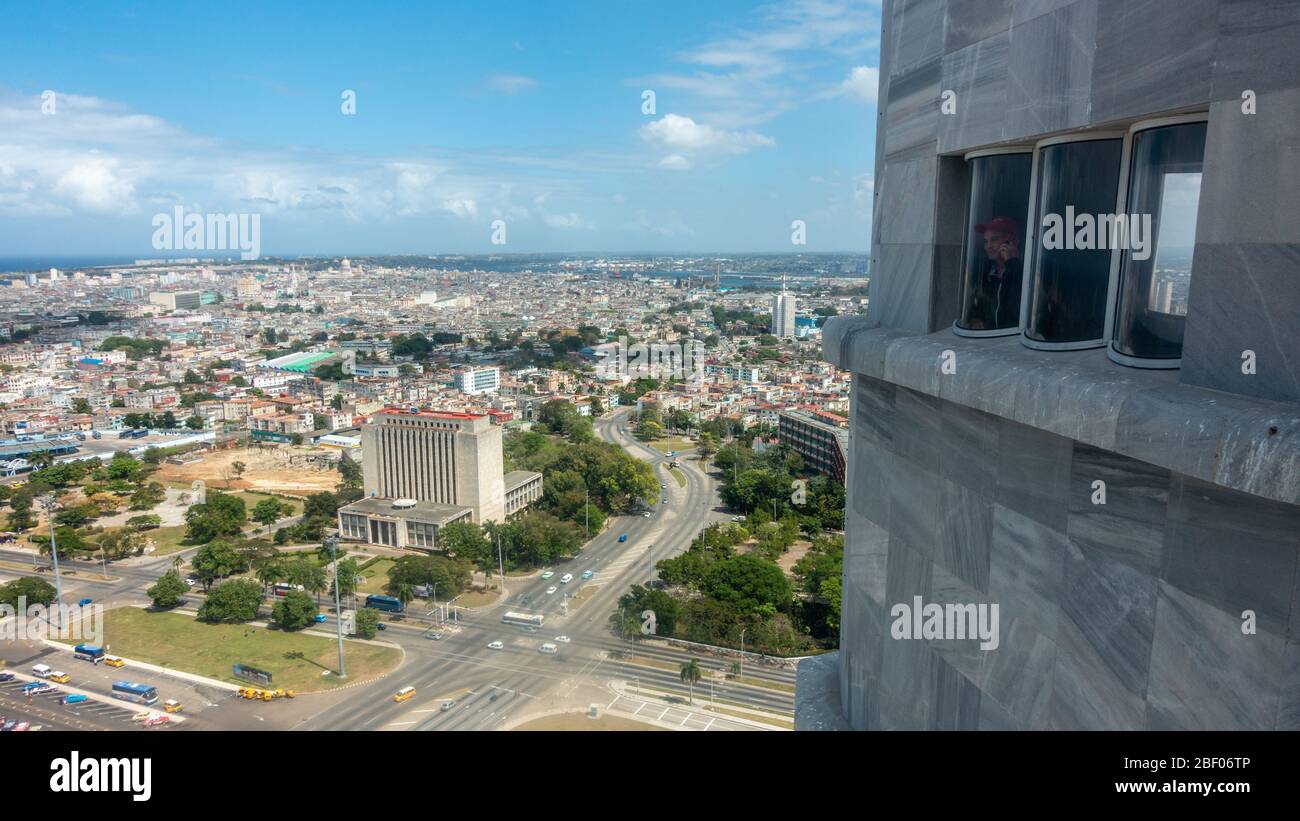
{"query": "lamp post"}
[(586, 512), (742, 655), (47, 502), (333, 543)]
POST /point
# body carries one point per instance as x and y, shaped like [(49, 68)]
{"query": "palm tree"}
[(404, 593), (690, 675), (270, 571)]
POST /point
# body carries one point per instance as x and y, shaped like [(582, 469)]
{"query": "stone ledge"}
[(817, 694), (1249, 445)]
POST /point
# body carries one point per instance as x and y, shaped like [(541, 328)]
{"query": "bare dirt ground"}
[(293, 470)]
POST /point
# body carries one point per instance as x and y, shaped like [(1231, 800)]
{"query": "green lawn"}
[(676, 444), (679, 476), (376, 576), (296, 661), (167, 540)]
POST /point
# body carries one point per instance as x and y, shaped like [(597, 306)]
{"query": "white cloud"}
[(862, 84), (684, 138), (510, 83)]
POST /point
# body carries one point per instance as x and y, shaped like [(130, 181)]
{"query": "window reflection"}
[(993, 259), (1164, 182), (1068, 289)]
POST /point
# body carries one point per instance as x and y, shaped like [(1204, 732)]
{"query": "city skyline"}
[(757, 114)]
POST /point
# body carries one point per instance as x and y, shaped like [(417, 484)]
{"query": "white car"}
[(550, 591), (566, 578), (663, 486), (549, 649), (646, 514), (496, 645), (190, 582), (548, 574), (563, 639)]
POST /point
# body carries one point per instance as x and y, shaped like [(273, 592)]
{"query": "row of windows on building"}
[(1104, 224)]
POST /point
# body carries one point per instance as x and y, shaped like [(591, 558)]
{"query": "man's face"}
[(999, 245)]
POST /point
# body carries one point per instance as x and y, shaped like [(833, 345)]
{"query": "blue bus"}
[(139, 693), (388, 603), (88, 652)]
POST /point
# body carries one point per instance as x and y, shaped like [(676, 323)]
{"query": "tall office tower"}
[(783, 309), (1171, 600), (717, 276), (447, 458), (478, 380)]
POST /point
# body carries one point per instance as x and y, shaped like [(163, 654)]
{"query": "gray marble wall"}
[(1027, 69), (1122, 615)]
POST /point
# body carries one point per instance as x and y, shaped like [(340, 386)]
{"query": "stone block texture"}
[(1175, 604)]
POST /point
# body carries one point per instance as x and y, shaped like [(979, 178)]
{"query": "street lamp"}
[(333, 543), (47, 502), (742, 655)]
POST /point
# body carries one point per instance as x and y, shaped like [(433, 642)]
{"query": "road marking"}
[(710, 724), (399, 723)]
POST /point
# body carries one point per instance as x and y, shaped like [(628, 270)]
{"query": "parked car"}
[(59, 676), (6, 676), (85, 602), (435, 636), (74, 698)]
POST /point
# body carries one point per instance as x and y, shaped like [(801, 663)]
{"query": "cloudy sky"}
[(465, 113)]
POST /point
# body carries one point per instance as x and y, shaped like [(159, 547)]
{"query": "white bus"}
[(523, 619)]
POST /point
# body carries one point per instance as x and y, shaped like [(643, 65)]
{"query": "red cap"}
[(1003, 225)]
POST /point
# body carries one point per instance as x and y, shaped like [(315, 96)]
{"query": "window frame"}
[(1035, 228), (1026, 148), (1117, 255)]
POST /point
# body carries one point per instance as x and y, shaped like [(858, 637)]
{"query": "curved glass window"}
[(993, 258), (1155, 271), (1068, 287)]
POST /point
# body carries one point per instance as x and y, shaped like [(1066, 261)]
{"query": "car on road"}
[(434, 636), (447, 705), (85, 602), (587, 574), (646, 514), (404, 694), (563, 639), (549, 649), (171, 705), (496, 645), (75, 698), (550, 591), (115, 661), (6, 676), (190, 582), (665, 501), (548, 574), (320, 618), (663, 486), (157, 721), (382, 626), (668, 453), (566, 578), (622, 537)]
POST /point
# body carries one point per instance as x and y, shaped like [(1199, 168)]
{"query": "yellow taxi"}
[(59, 676), (404, 694), (114, 661), (171, 705)]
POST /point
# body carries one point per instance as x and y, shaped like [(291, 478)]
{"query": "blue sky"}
[(466, 113)]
